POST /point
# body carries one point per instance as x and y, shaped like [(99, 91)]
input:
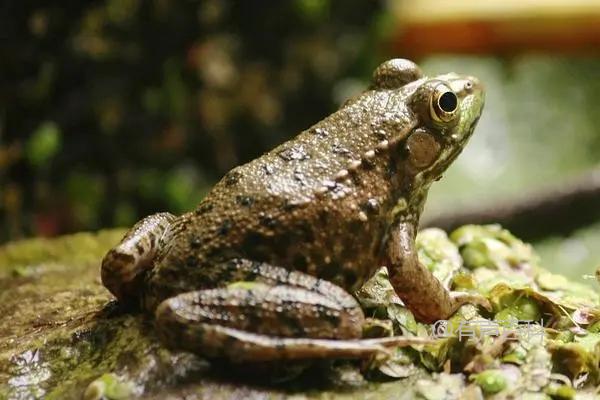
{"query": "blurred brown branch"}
[(557, 210)]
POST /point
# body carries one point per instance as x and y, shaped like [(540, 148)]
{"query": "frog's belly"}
[(346, 255)]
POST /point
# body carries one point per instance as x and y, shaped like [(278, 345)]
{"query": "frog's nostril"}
[(472, 83)]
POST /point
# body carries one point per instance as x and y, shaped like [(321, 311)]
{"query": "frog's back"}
[(300, 167)]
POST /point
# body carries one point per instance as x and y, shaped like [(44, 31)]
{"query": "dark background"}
[(116, 109)]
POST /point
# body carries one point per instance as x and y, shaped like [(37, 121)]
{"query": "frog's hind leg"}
[(124, 264), (261, 323), (279, 315)]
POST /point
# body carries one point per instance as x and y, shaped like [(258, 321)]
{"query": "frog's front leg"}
[(279, 315), (420, 290), (124, 264)]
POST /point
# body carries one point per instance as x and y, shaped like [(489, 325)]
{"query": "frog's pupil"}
[(448, 102)]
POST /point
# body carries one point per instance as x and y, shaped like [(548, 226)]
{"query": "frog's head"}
[(441, 114)]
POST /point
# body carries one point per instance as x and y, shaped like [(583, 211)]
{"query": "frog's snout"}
[(470, 86), (472, 92), (479, 92)]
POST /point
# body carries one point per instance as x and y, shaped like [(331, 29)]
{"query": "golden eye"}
[(444, 104)]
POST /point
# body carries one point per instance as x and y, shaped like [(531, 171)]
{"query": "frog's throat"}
[(410, 208)]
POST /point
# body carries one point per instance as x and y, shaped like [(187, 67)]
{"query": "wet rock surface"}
[(63, 336)]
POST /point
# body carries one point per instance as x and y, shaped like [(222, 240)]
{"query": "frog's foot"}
[(461, 298), (218, 341), (124, 264), (259, 322)]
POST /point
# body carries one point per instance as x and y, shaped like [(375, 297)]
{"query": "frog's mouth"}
[(453, 148), (460, 144)]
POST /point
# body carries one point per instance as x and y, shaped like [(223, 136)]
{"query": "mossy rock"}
[(63, 336)]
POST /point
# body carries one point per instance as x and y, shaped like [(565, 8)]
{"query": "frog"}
[(265, 267)]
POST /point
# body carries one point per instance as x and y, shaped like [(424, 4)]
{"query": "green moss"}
[(76, 251)]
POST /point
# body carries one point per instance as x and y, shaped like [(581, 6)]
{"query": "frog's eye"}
[(443, 105)]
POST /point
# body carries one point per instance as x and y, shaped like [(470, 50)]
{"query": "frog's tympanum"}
[(265, 267)]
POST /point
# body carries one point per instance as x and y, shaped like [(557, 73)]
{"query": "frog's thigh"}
[(262, 322), (240, 269), (123, 265)]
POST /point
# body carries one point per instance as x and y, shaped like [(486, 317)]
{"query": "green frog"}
[(264, 268)]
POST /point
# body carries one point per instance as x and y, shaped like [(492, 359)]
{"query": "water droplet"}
[(294, 153), (320, 132)]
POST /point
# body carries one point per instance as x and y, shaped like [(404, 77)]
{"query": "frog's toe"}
[(460, 298)]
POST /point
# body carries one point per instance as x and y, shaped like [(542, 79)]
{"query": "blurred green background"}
[(111, 110)]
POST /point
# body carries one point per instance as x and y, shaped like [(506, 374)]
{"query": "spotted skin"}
[(264, 267), (124, 265)]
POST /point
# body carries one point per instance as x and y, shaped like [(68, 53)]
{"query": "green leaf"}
[(490, 381), (110, 387), (438, 254), (575, 360), (493, 247), (399, 365), (43, 144), (312, 10)]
